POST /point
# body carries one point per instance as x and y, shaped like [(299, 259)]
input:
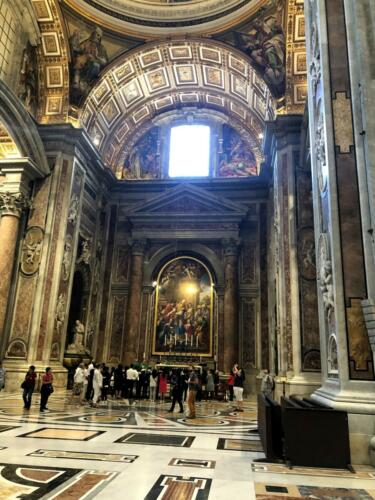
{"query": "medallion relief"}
[(325, 276), (31, 250)]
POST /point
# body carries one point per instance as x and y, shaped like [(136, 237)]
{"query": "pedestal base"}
[(16, 371)]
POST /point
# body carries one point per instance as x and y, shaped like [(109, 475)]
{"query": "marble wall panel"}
[(264, 336), (122, 263), (143, 326), (51, 261), (248, 324), (117, 331)]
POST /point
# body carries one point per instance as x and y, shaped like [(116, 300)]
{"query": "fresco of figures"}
[(183, 313), (144, 159), (236, 159)]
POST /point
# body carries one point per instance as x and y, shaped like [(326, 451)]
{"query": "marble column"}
[(231, 354), (133, 311), (11, 206)]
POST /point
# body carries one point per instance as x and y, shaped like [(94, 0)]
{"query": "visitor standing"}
[(192, 392), (28, 386), (118, 381), (162, 385), (230, 385), (97, 384), (2, 376), (153, 384), (210, 386), (177, 390), (106, 382), (46, 389), (239, 377), (132, 377), (79, 377), (267, 385)]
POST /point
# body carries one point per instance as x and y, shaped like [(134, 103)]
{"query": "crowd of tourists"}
[(94, 383)]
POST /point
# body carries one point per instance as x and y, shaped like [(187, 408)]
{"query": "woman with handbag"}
[(46, 390), (28, 386)]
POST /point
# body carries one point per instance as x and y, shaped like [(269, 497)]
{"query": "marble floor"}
[(143, 452)]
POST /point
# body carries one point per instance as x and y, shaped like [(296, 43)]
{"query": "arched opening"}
[(76, 302)]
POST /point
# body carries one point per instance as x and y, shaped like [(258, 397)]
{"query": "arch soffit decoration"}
[(197, 250), (53, 57), (19, 136), (159, 77), (151, 20)]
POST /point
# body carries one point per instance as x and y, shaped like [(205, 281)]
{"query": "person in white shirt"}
[(97, 384), (78, 381), (131, 377)]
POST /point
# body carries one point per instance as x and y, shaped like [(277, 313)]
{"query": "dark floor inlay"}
[(276, 489), (178, 487), (191, 462), (84, 455), (4, 428), (156, 439), (239, 445)]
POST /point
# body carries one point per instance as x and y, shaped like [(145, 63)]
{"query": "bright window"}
[(189, 154)]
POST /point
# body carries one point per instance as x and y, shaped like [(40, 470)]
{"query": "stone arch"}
[(21, 130), (201, 252), (159, 77)]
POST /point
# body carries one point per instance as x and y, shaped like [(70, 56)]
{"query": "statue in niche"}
[(89, 57), (78, 339), (237, 159), (144, 159), (28, 82)]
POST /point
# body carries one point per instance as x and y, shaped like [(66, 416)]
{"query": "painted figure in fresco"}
[(183, 312), (88, 58), (237, 159), (265, 44), (144, 160)]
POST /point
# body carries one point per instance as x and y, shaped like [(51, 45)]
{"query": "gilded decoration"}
[(183, 312), (31, 250), (13, 203), (146, 81)]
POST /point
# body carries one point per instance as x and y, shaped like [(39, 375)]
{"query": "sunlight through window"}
[(189, 154)]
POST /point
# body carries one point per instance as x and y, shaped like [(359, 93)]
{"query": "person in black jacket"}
[(28, 386), (239, 378), (177, 390)]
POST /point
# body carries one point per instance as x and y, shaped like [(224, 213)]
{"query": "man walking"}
[(192, 392)]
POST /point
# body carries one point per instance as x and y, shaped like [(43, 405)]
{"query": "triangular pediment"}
[(185, 200)]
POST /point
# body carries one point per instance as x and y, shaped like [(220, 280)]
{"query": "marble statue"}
[(78, 340)]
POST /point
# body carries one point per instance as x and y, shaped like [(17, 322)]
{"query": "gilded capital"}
[(13, 203)]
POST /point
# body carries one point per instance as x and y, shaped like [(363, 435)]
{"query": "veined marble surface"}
[(144, 452)]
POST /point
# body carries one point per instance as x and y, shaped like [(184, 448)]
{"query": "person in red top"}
[(28, 386), (162, 385), (46, 389), (230, 385)]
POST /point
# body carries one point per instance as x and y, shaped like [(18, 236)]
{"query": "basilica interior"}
[(172, 194)]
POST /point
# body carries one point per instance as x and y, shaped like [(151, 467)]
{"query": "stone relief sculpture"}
[(332, 354), (86, 252), (325, 276), (31, 250), (28, 81), (89, 56), (73, 209), (67, 258), (60, 313)]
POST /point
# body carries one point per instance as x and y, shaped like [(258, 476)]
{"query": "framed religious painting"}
[(183, 322)]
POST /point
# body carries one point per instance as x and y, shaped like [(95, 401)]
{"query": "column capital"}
[(230, 246), (13, 203), (138, 247)]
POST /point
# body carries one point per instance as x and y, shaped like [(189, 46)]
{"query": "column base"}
[(16, 371), (302, 385), (361, 410)]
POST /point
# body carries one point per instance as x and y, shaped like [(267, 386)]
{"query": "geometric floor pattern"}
[(143, 452)]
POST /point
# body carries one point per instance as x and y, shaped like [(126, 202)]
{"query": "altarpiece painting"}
[(183, 309)]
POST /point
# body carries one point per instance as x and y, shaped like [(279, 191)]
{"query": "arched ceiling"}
[(157, 18), (167, 75)]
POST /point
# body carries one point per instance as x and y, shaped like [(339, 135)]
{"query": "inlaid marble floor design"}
[(143, 452)]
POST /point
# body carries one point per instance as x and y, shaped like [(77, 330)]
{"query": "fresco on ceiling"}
[(263, 40), (236, 158), (183, 319), (88, 58), (144, 159), (28, 80)]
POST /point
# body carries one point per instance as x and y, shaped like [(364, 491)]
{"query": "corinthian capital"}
[(138, 246), (13, 203), (230, 246)]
